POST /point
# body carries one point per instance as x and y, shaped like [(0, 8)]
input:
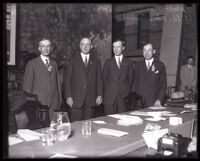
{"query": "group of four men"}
[(86, 85)]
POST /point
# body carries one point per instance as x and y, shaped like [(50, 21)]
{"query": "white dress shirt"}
[(45, 59), (117, 59), (149, 62), (84, 56)]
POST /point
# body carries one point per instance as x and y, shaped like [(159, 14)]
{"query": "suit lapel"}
[(114, 66), (122, 66), (81, 63), (41, 64), (53, 67), (90, 63)]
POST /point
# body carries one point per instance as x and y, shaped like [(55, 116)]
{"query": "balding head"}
[(85, 45)]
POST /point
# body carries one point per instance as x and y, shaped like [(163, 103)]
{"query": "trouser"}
[(118, 106), (83, 113), (51, 113)]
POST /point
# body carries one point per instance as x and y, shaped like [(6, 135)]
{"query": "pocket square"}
[(157, 71)]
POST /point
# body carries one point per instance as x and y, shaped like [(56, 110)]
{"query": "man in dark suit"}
[(83, 83), (41, 78), (150, 78), (118, 80)]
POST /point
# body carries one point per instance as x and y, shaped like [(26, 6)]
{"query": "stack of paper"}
[(14, 140), (99, 122), (155, 118), (167, 113), (111, 132), (59, 155), (127, 120), (157, 107), (28, 135), (139, 113), (151, 127), (151, 138), (117, 116), (192, 106)]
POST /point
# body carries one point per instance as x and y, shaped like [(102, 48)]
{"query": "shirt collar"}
[(44, 58), (151, 61), (189, 66), (84, 55), (119, 56)]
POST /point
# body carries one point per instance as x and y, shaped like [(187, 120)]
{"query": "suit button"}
[(84, 87)]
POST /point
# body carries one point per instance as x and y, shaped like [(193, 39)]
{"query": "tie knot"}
[(47, 61)]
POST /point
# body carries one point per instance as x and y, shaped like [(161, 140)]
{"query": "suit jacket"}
[(117, 82), (151, 84), (37, 80), (82, 83), (187, 77)]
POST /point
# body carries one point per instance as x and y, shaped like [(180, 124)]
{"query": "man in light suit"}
[(83, 83), (188, 75), (118, 80), (150, 78), (41, 78)]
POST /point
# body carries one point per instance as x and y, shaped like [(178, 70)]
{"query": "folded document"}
[(28, 135), (139, 113), (127, 120), (14, 140), (111, 132), (151, 138)]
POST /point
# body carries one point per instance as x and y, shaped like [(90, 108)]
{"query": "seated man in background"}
[(150, 78)]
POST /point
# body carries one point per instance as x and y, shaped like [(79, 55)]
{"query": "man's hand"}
[(157, 103), (99, 100), (69, 101)]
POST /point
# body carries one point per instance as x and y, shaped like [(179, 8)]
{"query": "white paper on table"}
[(130, 120), (28, 135), (139, 113), (117, 116), (152, 127), (155, 118), (111, 132), (99, 122), (157, 107), (14, 140), (151, 138), (59, 155)]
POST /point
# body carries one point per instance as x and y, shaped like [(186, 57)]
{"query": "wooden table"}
[(99, 145)]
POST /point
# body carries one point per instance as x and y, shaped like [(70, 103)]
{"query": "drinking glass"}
[(47, 137), (86, 128)]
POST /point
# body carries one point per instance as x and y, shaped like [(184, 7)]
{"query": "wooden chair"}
[(23, 105)]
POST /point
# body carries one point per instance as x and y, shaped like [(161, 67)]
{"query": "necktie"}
[(148, 65), (47, 62), (86, 61), (119, 62), (48, 65)]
